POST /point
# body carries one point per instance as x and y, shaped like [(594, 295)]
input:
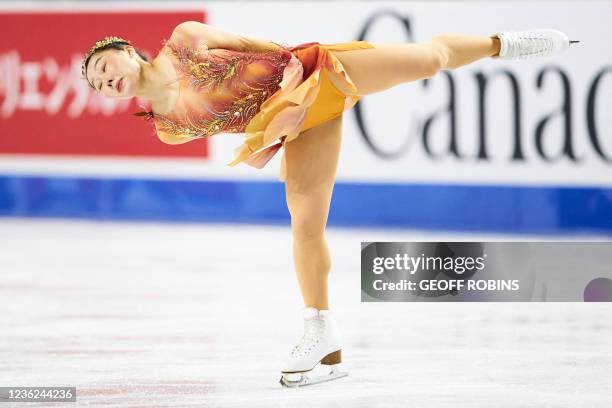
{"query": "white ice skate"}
[(539, 42), (322, 343)]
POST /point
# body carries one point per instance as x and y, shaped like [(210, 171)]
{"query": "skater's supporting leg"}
[(308, 186), (390, 64)]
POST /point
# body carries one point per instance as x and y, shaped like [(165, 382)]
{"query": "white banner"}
[(545, 121)]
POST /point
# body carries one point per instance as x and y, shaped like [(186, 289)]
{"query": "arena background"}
[(101, 287), (494, 146)]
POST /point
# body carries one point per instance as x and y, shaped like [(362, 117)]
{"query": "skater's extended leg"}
[(311, 162), (390, 64)]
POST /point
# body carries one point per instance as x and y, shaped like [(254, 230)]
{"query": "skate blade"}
[(303, 379)]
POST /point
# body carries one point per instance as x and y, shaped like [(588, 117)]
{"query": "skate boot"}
[(539, 42), (321, 343)]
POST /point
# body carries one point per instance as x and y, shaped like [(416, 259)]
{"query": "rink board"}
[(458, 207)]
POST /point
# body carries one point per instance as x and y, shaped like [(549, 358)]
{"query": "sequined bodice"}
[(220, 90)]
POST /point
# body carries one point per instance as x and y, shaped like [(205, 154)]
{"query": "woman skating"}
[(206, 81)]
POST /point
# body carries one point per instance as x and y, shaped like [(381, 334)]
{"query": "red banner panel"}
[(45, 105)]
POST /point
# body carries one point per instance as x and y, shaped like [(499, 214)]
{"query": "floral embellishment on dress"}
[(174, 127), (233, 85)]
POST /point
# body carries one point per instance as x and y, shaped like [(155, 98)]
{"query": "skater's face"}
[(114, 73)]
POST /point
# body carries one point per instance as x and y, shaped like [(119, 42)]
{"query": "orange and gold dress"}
[(269, 96)]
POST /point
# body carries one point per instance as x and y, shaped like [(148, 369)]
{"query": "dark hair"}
[(117, 45)]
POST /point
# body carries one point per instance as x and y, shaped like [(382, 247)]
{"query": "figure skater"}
[(206, 81)]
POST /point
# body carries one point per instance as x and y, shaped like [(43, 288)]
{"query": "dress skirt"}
[(306, 98)]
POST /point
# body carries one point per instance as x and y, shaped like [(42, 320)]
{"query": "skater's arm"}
[(213, 37)]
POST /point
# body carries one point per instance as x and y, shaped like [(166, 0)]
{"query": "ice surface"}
[(183, 315)]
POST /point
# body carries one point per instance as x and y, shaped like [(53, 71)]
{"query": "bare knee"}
[(306, 226), (441, 52), (308, 215), (304, 229), (428, 59)]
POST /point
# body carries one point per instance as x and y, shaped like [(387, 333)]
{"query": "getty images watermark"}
[(486, 271)]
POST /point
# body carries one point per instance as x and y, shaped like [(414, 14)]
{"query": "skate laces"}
[(525, 46), (313, 329)]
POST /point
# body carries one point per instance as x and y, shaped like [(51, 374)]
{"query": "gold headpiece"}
[(101, 44)]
